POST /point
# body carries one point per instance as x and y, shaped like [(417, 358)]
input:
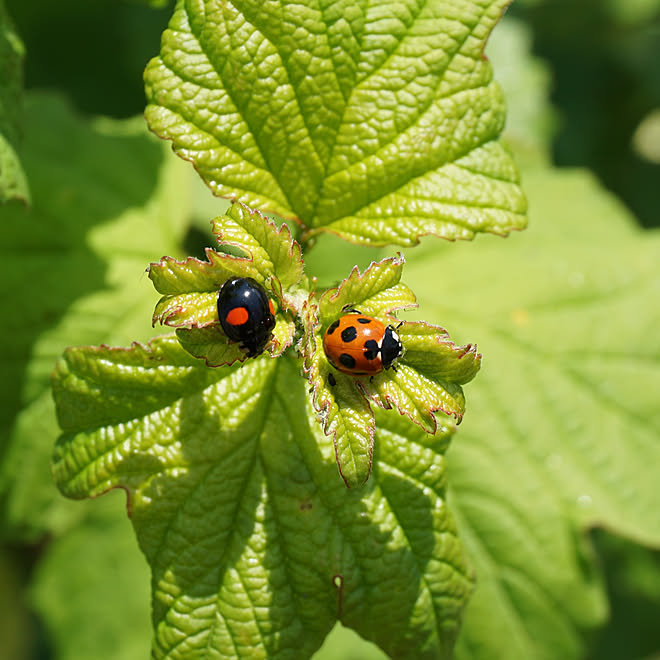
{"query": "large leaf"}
[(375, 121), (256, 546), (563, 428)]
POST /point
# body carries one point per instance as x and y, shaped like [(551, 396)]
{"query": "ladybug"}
[(361, 345), (246, 314)]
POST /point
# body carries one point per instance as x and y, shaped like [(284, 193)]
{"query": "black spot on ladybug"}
[(347, 360), (331, 380), (332, 327), (371, 349), (363, 320), (348, 334)]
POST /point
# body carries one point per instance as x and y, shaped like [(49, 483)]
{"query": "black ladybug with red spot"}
[(246, 314), (361, 345)]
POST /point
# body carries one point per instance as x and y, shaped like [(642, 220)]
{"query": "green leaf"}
[(633, 576), (427, 380), (377, 122), (429, 376), (343, 412), (563, 422), (73, 270), (271, 257), (375, 292), (93, 585), (255, 546), (13, 182)]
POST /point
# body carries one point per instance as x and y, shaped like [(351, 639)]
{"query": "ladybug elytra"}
[(246, 314), (361, 345)]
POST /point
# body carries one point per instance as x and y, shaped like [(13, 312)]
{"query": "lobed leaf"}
[(415, 395), (375, 292), (428, 349), (379, 123), (272, 258), (255, 546)]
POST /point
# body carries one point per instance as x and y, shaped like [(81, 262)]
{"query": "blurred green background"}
[(603, 59)]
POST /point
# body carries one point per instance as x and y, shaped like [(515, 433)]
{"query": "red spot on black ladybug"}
[(246, 314)]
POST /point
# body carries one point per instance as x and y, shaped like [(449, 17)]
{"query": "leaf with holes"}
[(255, 546), (378, 122)]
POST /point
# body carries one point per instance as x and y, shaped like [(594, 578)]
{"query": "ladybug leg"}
[(350, 309)]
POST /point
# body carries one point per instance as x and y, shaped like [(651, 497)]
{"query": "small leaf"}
[(377, 122), (344, 414), (415, 395), (376, 292), (191, 286), (171, 277), (192, 310), (427, 380), (428, 349), (271, 250)]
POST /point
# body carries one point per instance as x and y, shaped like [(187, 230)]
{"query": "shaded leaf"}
[(13, 182)]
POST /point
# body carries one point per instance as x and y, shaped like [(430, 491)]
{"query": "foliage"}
[(561, 423)]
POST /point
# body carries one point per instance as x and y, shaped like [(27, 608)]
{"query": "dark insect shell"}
[(246, 314)]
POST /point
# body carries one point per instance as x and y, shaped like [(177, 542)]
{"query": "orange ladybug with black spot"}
[(246, 314), (361, 345)]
